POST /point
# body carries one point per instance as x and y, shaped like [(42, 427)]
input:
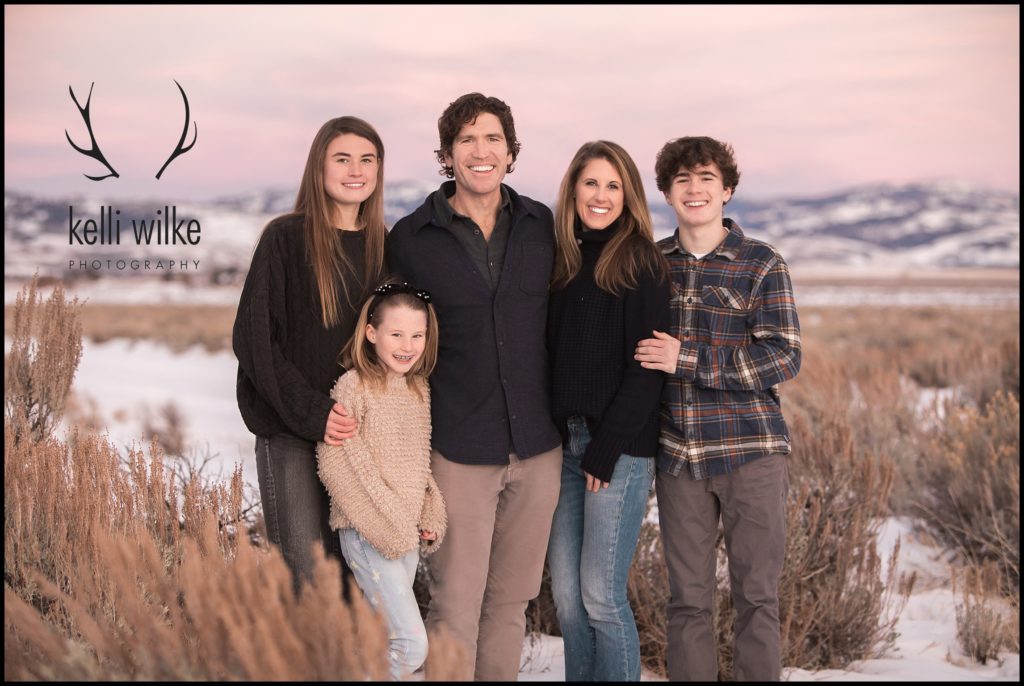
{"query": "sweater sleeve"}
[(356, 485), (433, 516), (260, 325), (646, 309)]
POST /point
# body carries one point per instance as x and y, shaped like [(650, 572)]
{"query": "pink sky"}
[(814, 99)]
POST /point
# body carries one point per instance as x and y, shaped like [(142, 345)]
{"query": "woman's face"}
[(599, 194), (350, 169)]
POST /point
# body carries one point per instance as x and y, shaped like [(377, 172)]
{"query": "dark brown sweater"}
[(287, 360)]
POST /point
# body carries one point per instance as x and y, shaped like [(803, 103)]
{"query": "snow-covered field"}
[(123, 376)]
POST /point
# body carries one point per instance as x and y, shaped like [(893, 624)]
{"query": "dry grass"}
[(106, 577), (178, 326), (92, 549), (986, 625), (972, 474), (114, 570), (46, 346)]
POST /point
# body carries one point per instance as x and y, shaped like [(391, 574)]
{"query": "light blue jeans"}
[(387, 584), (593, 539)]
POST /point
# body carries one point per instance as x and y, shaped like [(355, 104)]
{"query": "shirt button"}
[(476, 231), (513, 416), (501, 342), (686, 334), (689, 300)]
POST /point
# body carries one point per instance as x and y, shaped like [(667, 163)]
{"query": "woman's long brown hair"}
[(330, 264), (631, 251)]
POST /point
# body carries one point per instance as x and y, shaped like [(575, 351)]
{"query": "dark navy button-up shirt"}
[(489, 391), (487, 254)]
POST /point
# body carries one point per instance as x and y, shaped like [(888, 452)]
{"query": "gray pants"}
[(296, 506), (490, 564), (751, 503)]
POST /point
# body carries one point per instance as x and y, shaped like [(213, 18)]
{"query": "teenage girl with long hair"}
[(310, 271)]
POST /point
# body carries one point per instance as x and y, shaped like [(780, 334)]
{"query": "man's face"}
[(480, 156), (698, 196)]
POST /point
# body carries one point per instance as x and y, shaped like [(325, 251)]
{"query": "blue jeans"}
[(387, 584), (593, 538)]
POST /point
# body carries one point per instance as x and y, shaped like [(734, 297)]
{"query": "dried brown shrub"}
[(46, 345), (106, 577), (985, 625), (972, 475), (647, 588), (166, 426)]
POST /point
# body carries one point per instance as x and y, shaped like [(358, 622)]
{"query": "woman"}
[(310, 273), (609, 290)]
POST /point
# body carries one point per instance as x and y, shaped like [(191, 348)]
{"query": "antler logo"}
[(95, 152)]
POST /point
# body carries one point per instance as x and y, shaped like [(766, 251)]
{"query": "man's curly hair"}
[(690, 152), (464, 111)]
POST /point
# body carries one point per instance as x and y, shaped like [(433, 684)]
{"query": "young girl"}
[(384, 500)]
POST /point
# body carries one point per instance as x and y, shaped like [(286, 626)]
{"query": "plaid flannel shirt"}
[(734, 314)]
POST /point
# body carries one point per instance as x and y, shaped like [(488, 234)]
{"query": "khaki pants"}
[(490, 564), (751, 502)]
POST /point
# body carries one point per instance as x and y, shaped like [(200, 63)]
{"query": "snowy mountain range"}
[(917, 225)]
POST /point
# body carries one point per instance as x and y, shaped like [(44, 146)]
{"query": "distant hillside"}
[(918, 225)]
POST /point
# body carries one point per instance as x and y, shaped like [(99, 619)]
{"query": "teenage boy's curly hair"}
[(692, 151), (464, 111)]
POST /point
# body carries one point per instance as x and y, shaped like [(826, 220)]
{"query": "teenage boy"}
[(485, 253), (735, 336)]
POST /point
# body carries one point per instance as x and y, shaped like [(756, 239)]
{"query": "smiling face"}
[(698, 197), (480, 156), (599, 194), (350, 170), (399, 337)]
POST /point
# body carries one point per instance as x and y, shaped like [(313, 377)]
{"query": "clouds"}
[(813, 98)]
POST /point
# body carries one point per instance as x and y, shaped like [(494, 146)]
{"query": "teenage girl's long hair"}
[(331, 266), (360, 354), (631, 251)]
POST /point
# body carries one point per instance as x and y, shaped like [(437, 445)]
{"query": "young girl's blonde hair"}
[(361, 355)]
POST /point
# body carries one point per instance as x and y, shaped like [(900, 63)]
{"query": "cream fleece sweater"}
[(379, 480)]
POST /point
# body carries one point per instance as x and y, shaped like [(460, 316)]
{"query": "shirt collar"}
[(729, 248), (446, 213)]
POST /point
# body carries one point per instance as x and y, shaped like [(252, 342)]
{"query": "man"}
[(735, 336), (485, 253)]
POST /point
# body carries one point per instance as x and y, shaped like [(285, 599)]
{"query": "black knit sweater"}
[(592, 337), (287, 360)]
